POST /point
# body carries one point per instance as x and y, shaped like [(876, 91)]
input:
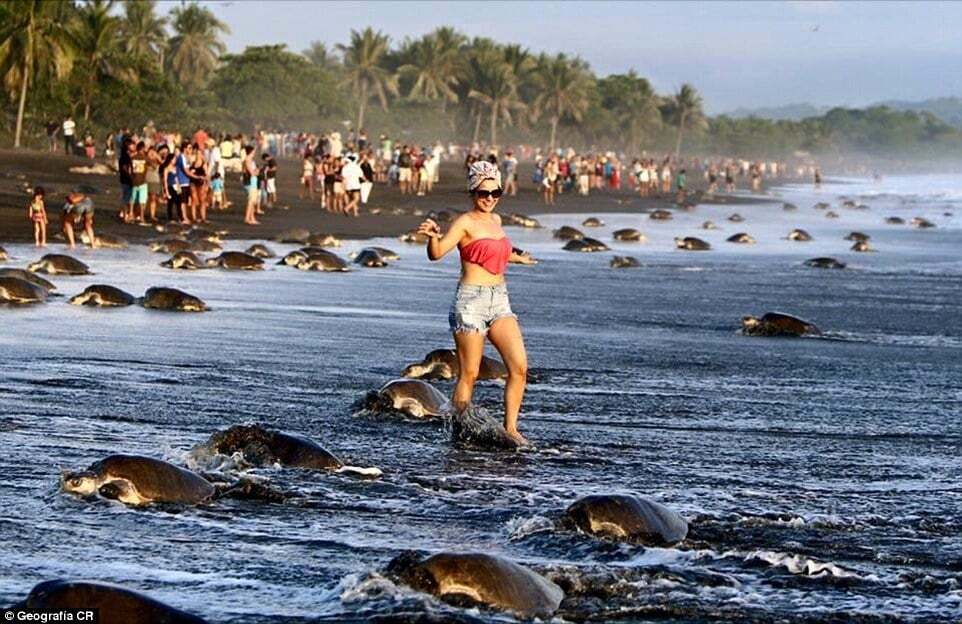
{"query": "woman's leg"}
[(470, 347), (505, 335), (203, 204)]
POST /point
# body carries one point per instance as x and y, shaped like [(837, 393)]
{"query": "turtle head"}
[(750, 322), (33, 267), (415, 371), (679, 242), (82, 483), (407, 568)]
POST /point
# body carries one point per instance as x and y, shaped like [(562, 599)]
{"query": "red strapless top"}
[(490, 253)]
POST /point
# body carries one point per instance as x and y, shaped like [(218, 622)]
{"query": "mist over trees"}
[(112, 64)]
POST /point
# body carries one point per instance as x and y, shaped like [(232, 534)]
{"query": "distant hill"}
[(791, 112), (948, 109)]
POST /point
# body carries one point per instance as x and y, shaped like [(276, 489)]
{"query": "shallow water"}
[(821, 476)]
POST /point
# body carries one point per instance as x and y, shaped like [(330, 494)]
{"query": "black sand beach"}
[(22, 169)]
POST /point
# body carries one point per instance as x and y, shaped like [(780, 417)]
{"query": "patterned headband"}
[(480, 171)]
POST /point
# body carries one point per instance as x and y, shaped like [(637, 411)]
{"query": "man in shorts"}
[(78, 208), (138, 184)]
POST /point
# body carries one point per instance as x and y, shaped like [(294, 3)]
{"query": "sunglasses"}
[(496, 193)]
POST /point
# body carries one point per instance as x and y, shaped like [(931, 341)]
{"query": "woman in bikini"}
[(481, 307), (37, 213)]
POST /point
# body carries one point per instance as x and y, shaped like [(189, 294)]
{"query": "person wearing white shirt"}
[(351, 175), (69, 127)]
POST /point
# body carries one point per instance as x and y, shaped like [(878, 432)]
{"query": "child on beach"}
[(217, 191), (37, 213)]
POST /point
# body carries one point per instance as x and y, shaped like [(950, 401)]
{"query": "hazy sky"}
[(737, 54)]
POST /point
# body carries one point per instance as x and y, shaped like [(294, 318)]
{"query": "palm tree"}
[(563, 86), (686, 110), (97, 41), (523, 65), (33, 41), (634, 104), (497, 90), (196, 46), (364, 69), (318, 54), (477, 54), (433, 70), (144, 32)]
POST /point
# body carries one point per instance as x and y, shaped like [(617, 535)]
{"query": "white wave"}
[(796, 564), (519, 528)]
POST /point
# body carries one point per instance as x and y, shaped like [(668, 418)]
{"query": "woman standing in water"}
[(481, 306)]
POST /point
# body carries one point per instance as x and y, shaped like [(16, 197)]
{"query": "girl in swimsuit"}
[(37, 212), (481, 307)]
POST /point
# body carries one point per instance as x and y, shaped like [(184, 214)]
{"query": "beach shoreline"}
[(22, 169)]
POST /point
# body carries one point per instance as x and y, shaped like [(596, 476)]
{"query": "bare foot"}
[(517, 437)]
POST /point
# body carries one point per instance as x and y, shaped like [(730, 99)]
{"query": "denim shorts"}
[(476, 308)]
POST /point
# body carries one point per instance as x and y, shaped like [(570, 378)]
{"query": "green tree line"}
[(113, 64)]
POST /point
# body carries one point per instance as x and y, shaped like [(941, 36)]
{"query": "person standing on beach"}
[(249, 178), (181, 167), (481, 307), (270, 178), (155, 188), (510, 166), (52, 129), (351, 174), (307, 175), (367, 182), (69, 127), (550, 180), (124, 164), (172, 193), (198, 174), (138, 185), (37, 213)]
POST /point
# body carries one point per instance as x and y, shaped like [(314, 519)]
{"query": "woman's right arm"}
[(438, 246)]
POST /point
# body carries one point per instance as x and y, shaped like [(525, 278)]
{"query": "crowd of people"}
[(186, 177), (569, 172)]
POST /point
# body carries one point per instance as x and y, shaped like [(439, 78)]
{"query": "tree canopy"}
[(115, 65)]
